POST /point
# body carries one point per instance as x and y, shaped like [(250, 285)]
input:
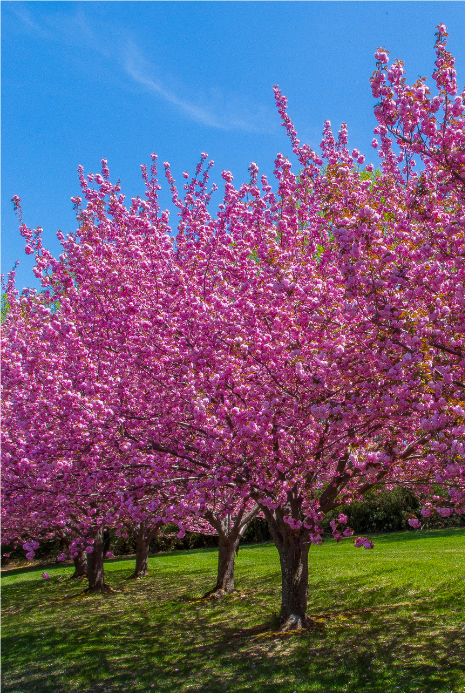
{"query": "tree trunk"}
[(230, 531), (95, 572), (226, 556), (80, 565), (293, 556), (143, 537), (142, 553), (293, 546), (142, 557)]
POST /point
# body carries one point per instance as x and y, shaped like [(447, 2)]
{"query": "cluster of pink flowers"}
[(365, 542)]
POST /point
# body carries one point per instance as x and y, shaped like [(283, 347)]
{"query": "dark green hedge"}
[(389, 511), (382, 511)]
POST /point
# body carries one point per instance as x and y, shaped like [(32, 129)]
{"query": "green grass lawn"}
[(392, 620)]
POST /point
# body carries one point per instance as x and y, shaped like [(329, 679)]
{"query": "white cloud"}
[(23, 15), (222, 112), (107, 47)]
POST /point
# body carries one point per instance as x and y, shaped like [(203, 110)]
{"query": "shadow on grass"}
[(159, 635), (151, 638)]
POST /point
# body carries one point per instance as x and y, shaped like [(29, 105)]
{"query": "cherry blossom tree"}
[(241, 390), (50, 470)]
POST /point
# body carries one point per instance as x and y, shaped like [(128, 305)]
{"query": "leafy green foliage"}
[(5, 307), (382, 511), (388, 511)]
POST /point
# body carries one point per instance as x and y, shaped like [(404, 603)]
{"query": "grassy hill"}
[(388, 620)]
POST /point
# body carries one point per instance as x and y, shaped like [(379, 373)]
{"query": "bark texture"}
[(143, 536), (293, 556), (293, 546), (95, 571), (230, 530), (80, 565), (226, 557)]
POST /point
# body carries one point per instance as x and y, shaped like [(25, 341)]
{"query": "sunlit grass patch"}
[(389, 620)]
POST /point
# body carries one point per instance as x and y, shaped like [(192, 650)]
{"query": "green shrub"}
[(389, 511)]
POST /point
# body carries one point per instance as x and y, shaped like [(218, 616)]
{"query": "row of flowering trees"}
[(282, 356)]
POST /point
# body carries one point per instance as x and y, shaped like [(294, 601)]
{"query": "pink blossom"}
[(382, 56), (363, 541), (413, 522)]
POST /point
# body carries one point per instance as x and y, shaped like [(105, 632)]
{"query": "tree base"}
[(294, 622), (77, 576), (218, 592), (137, 576)]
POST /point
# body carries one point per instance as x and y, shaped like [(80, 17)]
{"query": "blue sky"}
[(82, 81)]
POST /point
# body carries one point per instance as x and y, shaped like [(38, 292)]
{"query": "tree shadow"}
[(160, 635)]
